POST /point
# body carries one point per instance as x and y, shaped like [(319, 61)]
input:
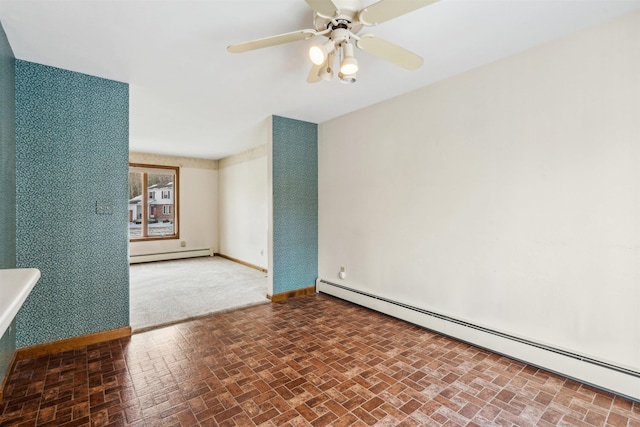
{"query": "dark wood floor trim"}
[(292, 294), (264, 270), (71, 343)]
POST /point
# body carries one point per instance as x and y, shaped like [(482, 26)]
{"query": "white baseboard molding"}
[(616, 379), (166, 256)]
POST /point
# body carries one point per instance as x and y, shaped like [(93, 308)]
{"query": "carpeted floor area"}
[(170, 291)]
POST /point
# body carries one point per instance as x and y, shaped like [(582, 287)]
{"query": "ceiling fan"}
[(340, 21)]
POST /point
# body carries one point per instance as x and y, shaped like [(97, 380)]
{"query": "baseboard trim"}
[(246, 264), (169, 256), (292, 294), (48, 348)]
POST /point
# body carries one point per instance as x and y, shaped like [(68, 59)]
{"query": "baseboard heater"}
[(604, 375), (166, 256)]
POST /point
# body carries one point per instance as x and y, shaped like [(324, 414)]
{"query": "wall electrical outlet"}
[(183, 244), (342, 274)]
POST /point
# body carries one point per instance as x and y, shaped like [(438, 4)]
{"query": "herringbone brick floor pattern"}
[(312, 360)]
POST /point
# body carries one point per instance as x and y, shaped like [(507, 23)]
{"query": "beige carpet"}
[(170, 291)]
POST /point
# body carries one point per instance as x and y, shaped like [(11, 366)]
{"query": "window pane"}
[(135, 205), (153, 198), (160, 204)]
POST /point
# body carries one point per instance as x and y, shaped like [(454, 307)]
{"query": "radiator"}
[(166, 256), (617, 379)]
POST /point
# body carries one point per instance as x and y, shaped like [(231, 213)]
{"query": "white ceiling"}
[(190, 97)]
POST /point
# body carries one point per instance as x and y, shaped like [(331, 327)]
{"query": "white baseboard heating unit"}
[(600, 374), (166, 256)]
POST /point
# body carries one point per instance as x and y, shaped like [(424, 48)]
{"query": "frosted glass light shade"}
[(318, 53), (349, 64)]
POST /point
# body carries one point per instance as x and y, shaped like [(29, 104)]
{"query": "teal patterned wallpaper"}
[(7, 154), (7, 181), (295, 204), (72, 133)]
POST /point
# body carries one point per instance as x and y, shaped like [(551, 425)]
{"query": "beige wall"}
[(198, 205), (507, 196), (242, 206)]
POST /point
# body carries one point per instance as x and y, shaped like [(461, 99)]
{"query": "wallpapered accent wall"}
[(72, 135), (7, 154), (295, 204), (7, 182)]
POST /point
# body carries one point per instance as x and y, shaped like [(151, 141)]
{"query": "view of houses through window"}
[(153, 202)]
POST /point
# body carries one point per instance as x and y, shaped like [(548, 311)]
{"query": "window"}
[(151, 218)]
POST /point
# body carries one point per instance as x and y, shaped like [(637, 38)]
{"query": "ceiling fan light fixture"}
[(347, 78), (319, 53), (341, 21), (349, 64)]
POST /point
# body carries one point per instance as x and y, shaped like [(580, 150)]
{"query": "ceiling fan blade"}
[(271, 41), (314, 73), (385, 10), (323, 7), (389, 51)]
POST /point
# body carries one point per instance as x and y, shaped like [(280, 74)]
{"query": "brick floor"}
[(312, 360)]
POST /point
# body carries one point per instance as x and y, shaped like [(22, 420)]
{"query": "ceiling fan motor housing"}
[(339, 36), (346, 17)]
